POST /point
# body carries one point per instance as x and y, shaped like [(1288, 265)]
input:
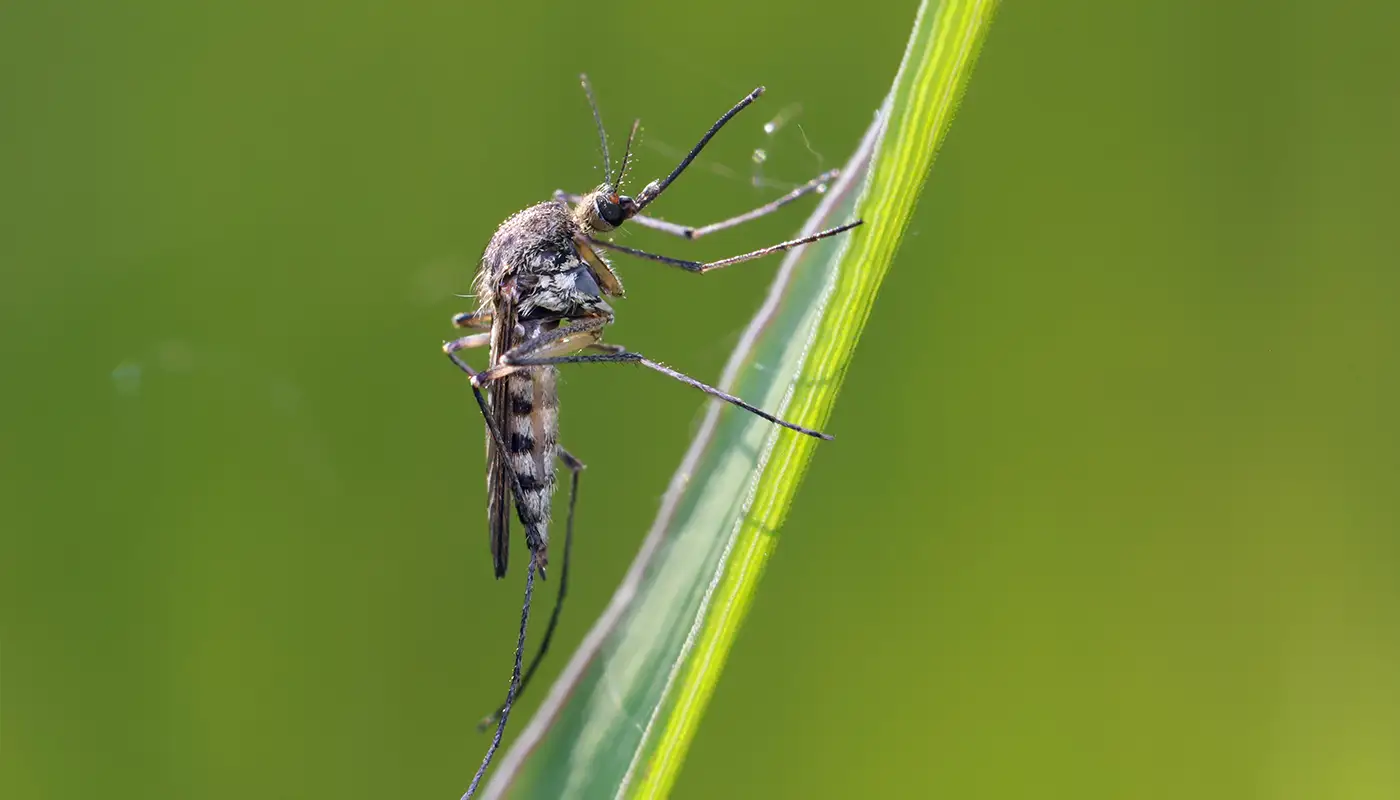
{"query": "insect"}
[(542, 289)]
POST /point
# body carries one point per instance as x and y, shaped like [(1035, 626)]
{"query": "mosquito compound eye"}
[(610, 212)]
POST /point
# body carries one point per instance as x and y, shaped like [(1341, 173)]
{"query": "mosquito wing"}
[(498, 476)]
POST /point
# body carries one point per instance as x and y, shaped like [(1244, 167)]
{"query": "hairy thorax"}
[(542, 257)]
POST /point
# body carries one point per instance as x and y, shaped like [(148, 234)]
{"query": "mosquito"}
[(542, 289)]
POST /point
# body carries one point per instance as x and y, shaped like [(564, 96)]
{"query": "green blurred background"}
[(1112, 510)]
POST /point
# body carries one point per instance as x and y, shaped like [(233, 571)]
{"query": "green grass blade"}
[(620, 718)]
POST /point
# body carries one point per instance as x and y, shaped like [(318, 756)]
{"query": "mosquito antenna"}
[(654, 189), (627, 153), (602, 134), (514, 681)]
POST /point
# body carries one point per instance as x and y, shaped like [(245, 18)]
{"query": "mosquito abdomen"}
[(532, 437)]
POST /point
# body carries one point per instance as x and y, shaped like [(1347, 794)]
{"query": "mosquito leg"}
[(817, 184), (479, 379), (570, 338), (575, 467), (467, 343), (558, 341), (621, 356), (513, 691), (702, 266), (477, 320), (566, 197), (537, 557), (654, 189)]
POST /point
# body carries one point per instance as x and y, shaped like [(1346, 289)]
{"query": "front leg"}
[(817, 184), (706, 266)]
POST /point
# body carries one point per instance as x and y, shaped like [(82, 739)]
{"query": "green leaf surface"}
[(620, 718)]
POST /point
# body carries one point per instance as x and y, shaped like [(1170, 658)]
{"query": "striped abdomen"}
[(531, 438)]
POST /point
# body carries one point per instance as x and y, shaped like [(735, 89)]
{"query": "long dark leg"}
[(584, 334), (817, 184), (621, 356), (537, 557), (479, 379), (706, 266), (654, 189), (576, 467), (514, 682)]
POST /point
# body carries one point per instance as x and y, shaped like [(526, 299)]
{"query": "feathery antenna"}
[(627, 154), (602, 134)]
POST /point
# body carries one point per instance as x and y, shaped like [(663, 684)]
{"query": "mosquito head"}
[(604, 209)]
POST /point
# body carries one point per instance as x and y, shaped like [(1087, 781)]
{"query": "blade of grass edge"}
[(738, 478), (936, 67)]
